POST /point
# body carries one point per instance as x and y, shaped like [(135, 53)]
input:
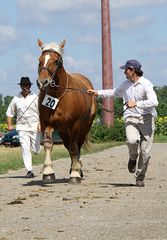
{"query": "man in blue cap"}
[(140, 100), (25, 107)]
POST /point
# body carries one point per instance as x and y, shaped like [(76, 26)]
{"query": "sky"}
[(138, 31)]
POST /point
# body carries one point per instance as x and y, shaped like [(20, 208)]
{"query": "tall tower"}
[(107, 76)]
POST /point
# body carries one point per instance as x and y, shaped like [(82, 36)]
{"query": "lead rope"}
[(107, 110), (66, 87), (26, 109)]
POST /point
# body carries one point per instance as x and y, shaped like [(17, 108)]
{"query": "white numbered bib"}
[(50, 101)]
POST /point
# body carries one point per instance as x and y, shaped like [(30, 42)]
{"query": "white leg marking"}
[(75, 174)]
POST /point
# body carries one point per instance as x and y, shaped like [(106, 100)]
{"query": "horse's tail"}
[(93, 108), (87, 143)]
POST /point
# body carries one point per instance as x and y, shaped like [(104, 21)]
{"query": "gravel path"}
[(105, 206)]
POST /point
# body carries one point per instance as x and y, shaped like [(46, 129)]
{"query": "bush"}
[(101, 133), (3, 127), (161, 126)]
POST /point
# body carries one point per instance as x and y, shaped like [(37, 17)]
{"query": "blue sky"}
[(138, 31)]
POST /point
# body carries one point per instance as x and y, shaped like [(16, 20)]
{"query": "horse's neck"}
[(61, 78)]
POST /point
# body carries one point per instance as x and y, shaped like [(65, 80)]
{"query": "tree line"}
[(161, 109)]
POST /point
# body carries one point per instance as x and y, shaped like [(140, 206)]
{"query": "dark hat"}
[(132, 64), (25, 80)]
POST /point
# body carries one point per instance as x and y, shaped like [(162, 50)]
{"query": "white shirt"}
[(141, 91), (26, 110)]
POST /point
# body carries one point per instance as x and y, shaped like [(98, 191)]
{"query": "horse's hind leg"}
[(48, 173), (70, 142), (76, 165)]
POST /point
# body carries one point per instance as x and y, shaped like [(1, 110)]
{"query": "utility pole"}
[(107, 73)]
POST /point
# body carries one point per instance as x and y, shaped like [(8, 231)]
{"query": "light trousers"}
[(30, 142), (139, 139)]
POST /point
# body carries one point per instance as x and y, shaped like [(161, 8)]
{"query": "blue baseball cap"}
[(132, 64)]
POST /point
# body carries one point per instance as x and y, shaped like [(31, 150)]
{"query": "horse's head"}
[(50, 62)]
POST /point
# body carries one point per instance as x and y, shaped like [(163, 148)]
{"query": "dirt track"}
[(105, 206)]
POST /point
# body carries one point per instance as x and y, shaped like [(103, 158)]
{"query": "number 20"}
[(50, 102)]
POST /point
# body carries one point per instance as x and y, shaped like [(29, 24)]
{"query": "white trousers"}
[(30, 142), (139, 138)]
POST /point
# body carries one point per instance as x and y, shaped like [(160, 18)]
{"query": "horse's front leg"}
[(76, 164), (48, 172)]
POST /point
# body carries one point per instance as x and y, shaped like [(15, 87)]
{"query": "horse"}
[(64, 106)]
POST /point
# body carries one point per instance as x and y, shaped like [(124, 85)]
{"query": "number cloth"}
[(50, 101)]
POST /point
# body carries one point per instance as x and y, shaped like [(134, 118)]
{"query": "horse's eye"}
[(39, 66), (59, 62)]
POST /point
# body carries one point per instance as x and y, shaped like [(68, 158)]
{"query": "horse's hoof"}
[(49, 178), (81, 173), (74, 180)]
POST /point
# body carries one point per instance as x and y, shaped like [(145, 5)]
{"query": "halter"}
[(59, 64)]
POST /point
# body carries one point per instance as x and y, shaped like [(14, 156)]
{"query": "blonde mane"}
[(54, 46)]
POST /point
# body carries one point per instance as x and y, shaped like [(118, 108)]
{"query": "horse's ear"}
[(62, 43), (40, 43)]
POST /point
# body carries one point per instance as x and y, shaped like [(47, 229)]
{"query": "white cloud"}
[(133, 3), (89, 17), (133, 23), (3, 75), (57, 5), (7, 33), (80, 22), (56, 12), (158, 50), (90, 39), (30, 61), (164, 73), (84, 67), (81, 11), (71, 62)]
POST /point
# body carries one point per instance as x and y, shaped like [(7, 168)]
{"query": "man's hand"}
[(10, 127), (92, 92), (39, 128), (131, 104), (9, 123)]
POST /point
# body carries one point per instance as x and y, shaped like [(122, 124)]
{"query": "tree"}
[(4, 103), (162, 98)]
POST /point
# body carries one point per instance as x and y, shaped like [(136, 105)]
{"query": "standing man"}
[(25, 107), (140, 100)]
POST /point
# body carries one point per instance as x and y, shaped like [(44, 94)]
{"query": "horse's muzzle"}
[(42, 85)]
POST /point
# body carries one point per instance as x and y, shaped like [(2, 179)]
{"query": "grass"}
[(160, 139), (11, 158)]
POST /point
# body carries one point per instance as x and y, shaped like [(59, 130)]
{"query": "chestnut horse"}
[(65, 106)]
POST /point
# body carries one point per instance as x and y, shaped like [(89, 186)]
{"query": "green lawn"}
[(11, 159)]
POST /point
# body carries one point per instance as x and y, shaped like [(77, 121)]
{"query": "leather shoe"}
[(140, 183), (29, 174), (131, 165)]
